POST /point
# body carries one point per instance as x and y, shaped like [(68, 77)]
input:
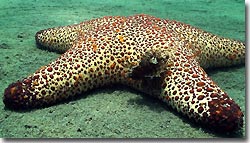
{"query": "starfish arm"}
[(210, 50), (52, 83), (189, 90), (217, 51), (57, 39), (66, 77)]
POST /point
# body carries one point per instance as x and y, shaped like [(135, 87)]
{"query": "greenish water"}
[(115, 112)]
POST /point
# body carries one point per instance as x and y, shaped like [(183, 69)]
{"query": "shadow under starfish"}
[(159, 57)]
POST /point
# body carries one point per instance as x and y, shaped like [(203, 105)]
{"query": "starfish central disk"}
[(159, 57)]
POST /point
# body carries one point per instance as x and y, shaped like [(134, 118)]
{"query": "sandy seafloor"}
[(108, 112)]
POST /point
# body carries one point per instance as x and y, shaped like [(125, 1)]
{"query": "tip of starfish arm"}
[(225, 117), (13, 96), (55, 39), (38, 39), (17, 96)]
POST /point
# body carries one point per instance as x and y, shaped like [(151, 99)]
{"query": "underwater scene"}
[(122, 69)]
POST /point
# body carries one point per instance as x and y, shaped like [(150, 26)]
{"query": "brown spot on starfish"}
[(160, 57)]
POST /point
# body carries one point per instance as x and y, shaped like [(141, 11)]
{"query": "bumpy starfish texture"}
[(159, 57)]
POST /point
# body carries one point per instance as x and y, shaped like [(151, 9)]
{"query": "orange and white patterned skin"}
[(160, 57)]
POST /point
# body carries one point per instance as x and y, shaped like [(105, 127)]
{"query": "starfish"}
[(160, 57)]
